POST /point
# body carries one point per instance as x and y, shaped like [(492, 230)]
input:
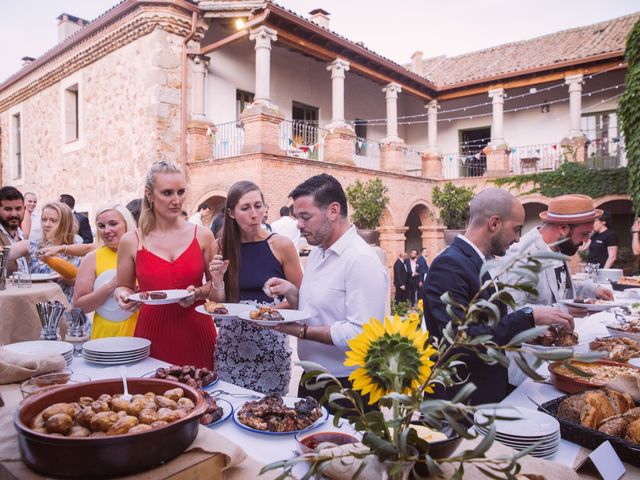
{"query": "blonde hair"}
[(63, 230), (147, 215), (130, 223)]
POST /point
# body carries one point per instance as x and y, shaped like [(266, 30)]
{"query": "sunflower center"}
[(383, 371)]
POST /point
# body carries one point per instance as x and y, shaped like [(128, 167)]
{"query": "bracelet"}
[(64, 252), (303, 331), (213, 285)]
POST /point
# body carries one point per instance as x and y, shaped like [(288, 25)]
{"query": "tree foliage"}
[(453, 203), (629, 113), (368, 200)]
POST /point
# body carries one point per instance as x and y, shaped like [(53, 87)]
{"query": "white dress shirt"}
[(36, 226), (343, 287), (288, 227), (196, 218)]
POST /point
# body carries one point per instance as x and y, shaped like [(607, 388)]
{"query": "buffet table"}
[(19, 320)]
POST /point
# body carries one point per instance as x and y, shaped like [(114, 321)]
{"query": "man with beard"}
[(565, 226), (11, 216), (344, 283), (495, 222)]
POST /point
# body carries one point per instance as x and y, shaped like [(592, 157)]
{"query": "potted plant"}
[(368, 201), (453, 203)]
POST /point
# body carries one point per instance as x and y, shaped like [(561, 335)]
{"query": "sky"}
[(394, 29)]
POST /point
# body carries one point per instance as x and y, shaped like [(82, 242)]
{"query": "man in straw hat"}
[(566, 224), (496, 218)]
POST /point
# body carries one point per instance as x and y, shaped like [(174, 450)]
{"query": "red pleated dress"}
[(180, 336)]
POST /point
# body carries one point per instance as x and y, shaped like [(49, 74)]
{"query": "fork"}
[(123, 374), (218, 393)]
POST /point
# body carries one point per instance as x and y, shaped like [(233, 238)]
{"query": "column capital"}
[(497, 95), (263, 36), (432, 106), (571, 79), (338, 68), (392, 90), (200, 63)]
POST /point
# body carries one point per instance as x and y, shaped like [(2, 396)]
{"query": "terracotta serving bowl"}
[(577, 385), (104, 456)]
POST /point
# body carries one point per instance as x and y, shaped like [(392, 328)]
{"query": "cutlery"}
[(123, 374)]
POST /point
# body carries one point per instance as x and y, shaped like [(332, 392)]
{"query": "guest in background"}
[(247, 355), (12, 213), (31, 223), (424, 268), (265, 219), (134, 206), (168, 253), (218, 222), (287, 226), (603, 244), (203, 213), (635, 237), (112, 223), (184, 215), (413, 270), (57, 229), (84, 228), (401, 278)]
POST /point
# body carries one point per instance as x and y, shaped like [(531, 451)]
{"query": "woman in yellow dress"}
[(112, 223)]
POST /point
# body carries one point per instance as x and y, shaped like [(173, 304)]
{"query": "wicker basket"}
[(587, 437)]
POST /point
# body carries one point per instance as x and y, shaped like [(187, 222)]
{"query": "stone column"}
[(199, 134), (337, 68), (433, 240), (575, 104), (339, 142), (497, 96), (263, 36), (200, 64), (262, 130), (431, 160), (391, 95), (392, 241)]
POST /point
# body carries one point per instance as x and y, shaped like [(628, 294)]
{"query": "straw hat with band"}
[(571, 209)]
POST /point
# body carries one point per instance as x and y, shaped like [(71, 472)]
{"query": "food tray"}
[(627, 451), (621, 286), (576, 385)]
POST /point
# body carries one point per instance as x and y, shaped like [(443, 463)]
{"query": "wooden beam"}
[(537, 80), (329, 55)]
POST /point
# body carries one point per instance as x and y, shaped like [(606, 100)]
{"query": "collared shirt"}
[(288, 227), (23, 266), (36, 226), (343, 287), (414, 265), (482, 257), (196, 218)]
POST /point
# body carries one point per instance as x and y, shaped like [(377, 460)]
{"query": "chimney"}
[(68, 25), (416, 62), (320, 17), (27, 60)]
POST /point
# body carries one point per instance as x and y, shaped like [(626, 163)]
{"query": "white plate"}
[(117, 344), (44, 277), (41, 346), (290, 316), (227, 410), (110, 309), (614, 332), (288, 401), (530, 423), (115, 362), (235, 309), (593, 307), (100, 356), (544, 348), (173, 296)]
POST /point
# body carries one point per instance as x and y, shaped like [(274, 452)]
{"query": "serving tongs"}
[(220, 393)]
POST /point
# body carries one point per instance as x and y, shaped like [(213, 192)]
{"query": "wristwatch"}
[(528, 313)]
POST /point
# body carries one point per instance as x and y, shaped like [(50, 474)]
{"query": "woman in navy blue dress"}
[(247, 355)]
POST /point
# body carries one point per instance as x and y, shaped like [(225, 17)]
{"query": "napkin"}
[(626, 383), (345, 468), (17, 367)]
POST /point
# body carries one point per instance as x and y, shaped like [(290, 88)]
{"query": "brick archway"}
[(215, 199)]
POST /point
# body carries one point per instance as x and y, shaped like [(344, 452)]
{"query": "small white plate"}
[(173, 296), (41, 346), (235, 310), (44, 277), (290, 316), (117, 344), (529, 422), (110, 310), (614, 332), (289, 402), (227, 411), (593, 307)]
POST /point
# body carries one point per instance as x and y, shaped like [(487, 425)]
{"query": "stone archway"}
[(216, 201), (417, 217), (423, 230), (532, 212)]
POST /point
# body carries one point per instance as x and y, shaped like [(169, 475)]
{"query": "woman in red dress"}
[(168, 253)]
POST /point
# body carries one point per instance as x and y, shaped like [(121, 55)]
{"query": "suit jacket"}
[(424, 268), (84, 228), (548, 292), (400, 274), (457, 270)]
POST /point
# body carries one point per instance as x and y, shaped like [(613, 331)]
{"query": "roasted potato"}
[(186, 404), (123, 425), (86, 401), (170, 415), (59, 423), (148, 416), (105, 397), (174, 394), (38, 421), (140, 428), (100, 406), (165, 402), (136, 406), (79, 431), (56, 408), (118, 404), (159, 423), (103, 421), (85, 416)]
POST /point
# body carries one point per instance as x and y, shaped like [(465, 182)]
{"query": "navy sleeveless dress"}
[(246, 355)]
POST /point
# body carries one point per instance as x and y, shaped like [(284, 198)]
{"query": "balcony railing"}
[(606, 153), (302, 139), (367, 153), (228, 139), (455, 165), (412, 162), (535, 158)]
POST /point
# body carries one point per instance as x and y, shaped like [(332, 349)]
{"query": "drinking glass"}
[(24, 280)]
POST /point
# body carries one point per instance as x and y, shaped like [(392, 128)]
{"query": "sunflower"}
[(390, 356)]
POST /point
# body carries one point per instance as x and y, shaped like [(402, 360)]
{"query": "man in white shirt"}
[(12, 213), (204, 210), (287, 226), (31, 224), (344, 284)]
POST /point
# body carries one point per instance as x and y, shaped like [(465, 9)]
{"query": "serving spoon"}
[(123, 374)]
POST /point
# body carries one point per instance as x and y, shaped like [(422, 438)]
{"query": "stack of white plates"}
[(116, 350), (531, 427), (43, 346)]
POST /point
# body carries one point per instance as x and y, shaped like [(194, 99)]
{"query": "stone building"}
[(246, 89)]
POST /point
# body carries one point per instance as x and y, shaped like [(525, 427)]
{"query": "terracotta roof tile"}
[(548, 50)]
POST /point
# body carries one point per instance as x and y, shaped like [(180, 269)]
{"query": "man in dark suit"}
[(401, 278), (413, 270), (424, 268), (84, 228), (496, 220)]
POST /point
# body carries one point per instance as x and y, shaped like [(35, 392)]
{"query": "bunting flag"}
[(554, 146), (477, 156), (514, 149), (304, 148), (359, 143), (537, 150), (290, 141)]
